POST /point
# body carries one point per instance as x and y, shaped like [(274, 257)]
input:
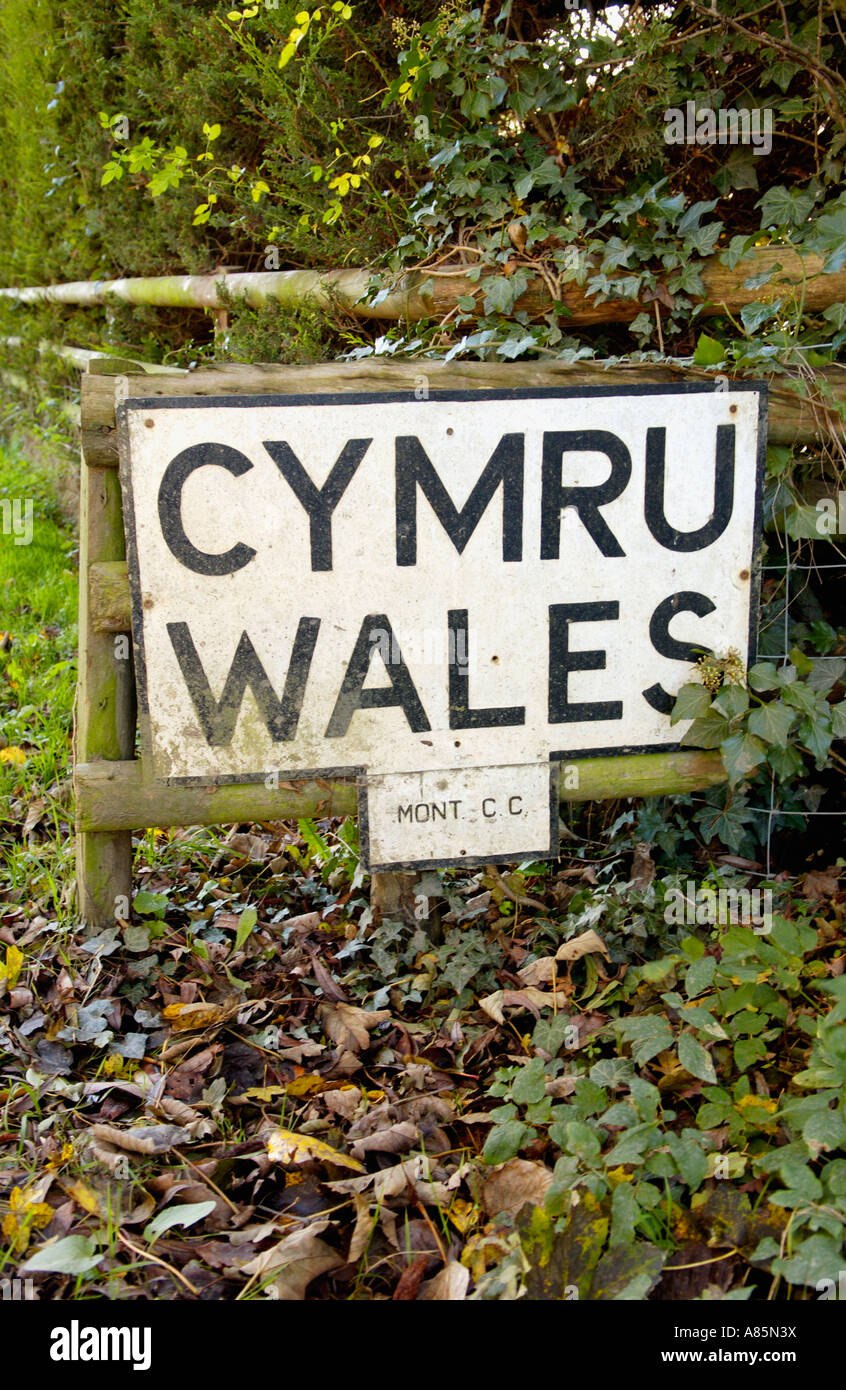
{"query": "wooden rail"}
[(793, 418), (418, 296)]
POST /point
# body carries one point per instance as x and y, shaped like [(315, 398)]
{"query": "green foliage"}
[(737, 1074)]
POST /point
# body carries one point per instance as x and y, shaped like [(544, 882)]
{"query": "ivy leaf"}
[(753, 315), (772, 723), (731, 701), (690, 1158), (708, 352), (626, 1273), (838, 719), (816, 738), (824, 1131), (785, 207), (699, 976), (741, 754), (506, 1141), (530, 1084), (726, 823), (648, 1035), (691, 702), (817, 1258), (695, 1059), (764, 675), (150, 904), (708, 732)]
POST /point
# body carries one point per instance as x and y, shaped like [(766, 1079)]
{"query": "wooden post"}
[(105, 698)]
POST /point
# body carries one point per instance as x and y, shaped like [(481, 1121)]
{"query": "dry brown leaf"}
[(532, 999), (302, 925), (350, 1027), (365, 1219), (142, 1139), (820, 883), (450, 1285), (395, 1139), (330, 987), (513, 1184), (409, 1282), (411, 1177), (295, 1261), (643, 867), (342, 1100)]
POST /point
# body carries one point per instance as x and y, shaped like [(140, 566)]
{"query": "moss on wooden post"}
[(105, 701)]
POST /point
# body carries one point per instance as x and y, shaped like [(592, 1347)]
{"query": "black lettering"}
[(586, 500), (562, 661), (413, 467), (489, 800), (511, 809), (664, 533), (689, 601), (461, 716), (401, 693), (439, 810), (319, 502), (219, 717), (170, 508), (404, 812)]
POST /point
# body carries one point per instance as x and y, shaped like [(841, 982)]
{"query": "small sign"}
[(440, 597)]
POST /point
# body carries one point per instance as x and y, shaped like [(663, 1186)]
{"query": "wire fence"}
[(791, 566)]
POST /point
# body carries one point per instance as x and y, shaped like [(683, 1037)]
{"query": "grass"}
[(37, 676)]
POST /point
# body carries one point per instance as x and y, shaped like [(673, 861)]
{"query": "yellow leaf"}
[(463, 1214), (307, 1085), (85, 1197), (192, 1015), (302, 18), (262, 1093), (12, 969), (618, 1175), (287, 54), (284, 1146), (12, 755)]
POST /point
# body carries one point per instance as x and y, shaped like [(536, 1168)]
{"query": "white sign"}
[(436, 596)]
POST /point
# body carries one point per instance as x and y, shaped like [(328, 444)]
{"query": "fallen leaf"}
[(283, 1146), (350, 1027), (394, 1139), (142, 1139), (295, 1261), (448, 1286), (184, 1016), (513, 1184), (408, 1178), (532, 999), (410, 1280)]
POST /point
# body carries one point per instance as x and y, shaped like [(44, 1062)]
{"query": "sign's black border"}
[(328, 398)]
